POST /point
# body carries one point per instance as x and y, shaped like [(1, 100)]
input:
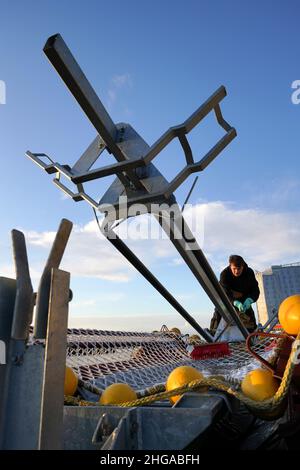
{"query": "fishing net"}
[(146, 359)]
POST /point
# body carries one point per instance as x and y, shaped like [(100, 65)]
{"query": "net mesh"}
[(146, 359)]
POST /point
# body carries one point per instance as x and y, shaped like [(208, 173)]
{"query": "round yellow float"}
[(176, 330), (289, 314), (117, 393), (71, 382), (181, 376), (259, 385)]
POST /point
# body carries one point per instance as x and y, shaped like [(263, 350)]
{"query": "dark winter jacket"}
[(246, 284)]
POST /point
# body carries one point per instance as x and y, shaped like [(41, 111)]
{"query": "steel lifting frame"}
[(138, 181)]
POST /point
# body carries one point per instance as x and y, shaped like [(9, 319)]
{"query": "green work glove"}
[(247, 303), (239, 305)]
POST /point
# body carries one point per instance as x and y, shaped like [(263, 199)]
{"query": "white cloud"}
[(111, 97), (263, 238), (121, 80), (7, 270), (95, 304), (118, 83), (87, 254), (44, 239), (176, 262)]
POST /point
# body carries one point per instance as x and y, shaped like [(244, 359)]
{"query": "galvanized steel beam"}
[(54, 259), (52, 404), (65, 64)]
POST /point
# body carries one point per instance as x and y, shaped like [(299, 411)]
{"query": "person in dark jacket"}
[(241, 287)]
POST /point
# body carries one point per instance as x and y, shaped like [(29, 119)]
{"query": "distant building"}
[(275, 284)]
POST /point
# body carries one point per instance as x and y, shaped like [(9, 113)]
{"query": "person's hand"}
[(239, 305), (247, 303)]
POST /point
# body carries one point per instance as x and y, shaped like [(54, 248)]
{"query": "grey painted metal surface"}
[(156, 427), (7, 302), (54, 259), (89, 157), (51, 427), (80, 424), (23, 397), (151, 178), (164, 428)]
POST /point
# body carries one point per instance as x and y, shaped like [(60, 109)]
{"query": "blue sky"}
[(152, 64)]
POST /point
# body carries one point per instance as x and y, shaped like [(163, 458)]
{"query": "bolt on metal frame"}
[(138, 179)]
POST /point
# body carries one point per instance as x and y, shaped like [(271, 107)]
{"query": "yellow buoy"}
[(194, 339), (259, 385), (289, 314), (176, 330), (117, 393), (71, 382), (181, 376)]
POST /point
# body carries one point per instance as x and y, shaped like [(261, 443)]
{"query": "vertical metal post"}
[(23, 309), (54, 259), (51, 425)]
